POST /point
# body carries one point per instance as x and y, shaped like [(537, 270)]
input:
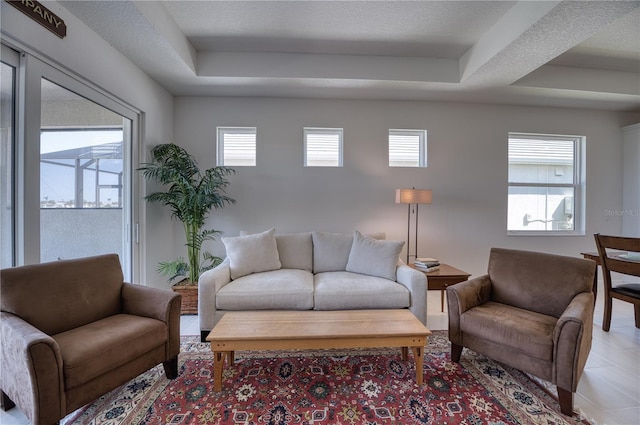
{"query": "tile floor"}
[(609, 391)]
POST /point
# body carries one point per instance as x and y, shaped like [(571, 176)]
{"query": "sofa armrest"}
[(32, 374), (160, 304), (416, 282), (572, 341), (462, 297), (209, 284)]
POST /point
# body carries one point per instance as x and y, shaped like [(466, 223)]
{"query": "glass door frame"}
[(27, 186), (11, 57)]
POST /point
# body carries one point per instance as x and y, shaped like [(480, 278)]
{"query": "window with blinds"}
[(407, 148), (236, 146), (322, 147), (546, 184)]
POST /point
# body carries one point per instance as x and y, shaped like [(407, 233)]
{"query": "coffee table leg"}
[(418, 354), (405, 353), (218, 365)]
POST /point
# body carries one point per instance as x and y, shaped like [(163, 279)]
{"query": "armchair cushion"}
[(518, 329), (105, 345)]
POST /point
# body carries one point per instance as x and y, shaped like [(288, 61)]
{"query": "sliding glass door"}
[(83, 199), (67, 180)]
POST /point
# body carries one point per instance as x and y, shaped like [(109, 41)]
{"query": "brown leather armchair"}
[(72, 331), (532, 311)]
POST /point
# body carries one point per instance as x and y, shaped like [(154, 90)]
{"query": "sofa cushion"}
[(252, 253), (374, 257), (102, 346), (346, 290), (513, 327), (295, 251), (331, 251), (285, 289)]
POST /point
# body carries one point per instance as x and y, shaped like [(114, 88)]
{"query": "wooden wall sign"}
[(36, 11)]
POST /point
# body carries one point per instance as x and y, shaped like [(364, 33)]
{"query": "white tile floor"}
[(609, 391)]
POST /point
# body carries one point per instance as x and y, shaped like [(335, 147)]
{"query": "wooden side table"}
[(445, 276)]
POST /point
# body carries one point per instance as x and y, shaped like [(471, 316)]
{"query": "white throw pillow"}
[(374, 257), (331, 251), (252, 253)]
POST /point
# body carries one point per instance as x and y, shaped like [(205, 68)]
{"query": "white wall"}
[(94, 60), (631, 181), (467, 170)]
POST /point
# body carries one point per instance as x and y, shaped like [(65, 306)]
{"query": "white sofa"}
[(309, 271)]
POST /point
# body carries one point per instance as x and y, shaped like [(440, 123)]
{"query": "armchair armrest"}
[(416, 282), (35, 382), (146, 301), (464, 296), (572, 341), (209, 284), (155, 303), (468, 294)]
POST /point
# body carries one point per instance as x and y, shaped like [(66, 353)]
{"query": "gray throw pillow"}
[(295, 250), (331, 251), (374, 257)]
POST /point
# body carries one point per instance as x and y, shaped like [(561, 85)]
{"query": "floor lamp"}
[(409, 197)]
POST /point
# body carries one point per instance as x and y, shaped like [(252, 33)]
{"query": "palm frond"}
[(174, 269)]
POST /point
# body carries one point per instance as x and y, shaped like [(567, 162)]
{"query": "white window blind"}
[(407, 148), (236, 146), (323, 147)]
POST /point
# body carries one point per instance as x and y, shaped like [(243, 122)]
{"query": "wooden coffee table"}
[(285, 330)]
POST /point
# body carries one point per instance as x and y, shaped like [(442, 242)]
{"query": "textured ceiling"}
[(559, 53), (340, 27)]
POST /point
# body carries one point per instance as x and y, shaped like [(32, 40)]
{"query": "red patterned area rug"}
[(340, 387)]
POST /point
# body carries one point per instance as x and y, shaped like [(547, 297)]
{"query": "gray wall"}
[(467, 171)]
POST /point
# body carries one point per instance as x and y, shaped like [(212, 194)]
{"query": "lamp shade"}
[(413, 196)]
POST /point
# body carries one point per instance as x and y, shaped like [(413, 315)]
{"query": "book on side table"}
[(426, 264)]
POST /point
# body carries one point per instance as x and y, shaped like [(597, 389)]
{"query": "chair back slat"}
[(619, 243), (625, 259), (629, 267)]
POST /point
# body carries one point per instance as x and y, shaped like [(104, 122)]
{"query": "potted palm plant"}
[(190, 195)]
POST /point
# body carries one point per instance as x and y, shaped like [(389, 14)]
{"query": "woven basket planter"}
[(189, 297)]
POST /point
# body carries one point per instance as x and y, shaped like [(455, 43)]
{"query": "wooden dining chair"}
[(625, 259)]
